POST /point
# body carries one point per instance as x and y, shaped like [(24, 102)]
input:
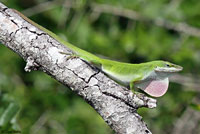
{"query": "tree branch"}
[(117, 105)]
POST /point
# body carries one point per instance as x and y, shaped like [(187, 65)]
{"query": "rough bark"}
[(116, 104)]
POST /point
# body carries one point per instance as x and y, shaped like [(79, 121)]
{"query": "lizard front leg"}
[(132, 83)]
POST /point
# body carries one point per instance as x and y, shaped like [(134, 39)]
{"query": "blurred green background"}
[(128, 30)]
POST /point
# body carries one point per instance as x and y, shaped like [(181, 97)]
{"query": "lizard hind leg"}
[(71, 55), (91, 59)]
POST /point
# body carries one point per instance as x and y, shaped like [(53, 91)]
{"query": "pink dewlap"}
[(157, 88)]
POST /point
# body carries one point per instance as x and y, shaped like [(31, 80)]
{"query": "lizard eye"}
[(167, 65)]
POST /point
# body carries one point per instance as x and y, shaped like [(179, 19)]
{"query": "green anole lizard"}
[(151, 77)]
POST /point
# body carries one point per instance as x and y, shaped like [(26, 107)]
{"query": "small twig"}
[(39, 123), (45, 6), (60, 129), (64, 14), (187, 80), (174, 3), (118, 11), (41, 8), (188, 123)]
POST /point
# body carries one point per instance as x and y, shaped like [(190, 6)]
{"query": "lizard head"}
[(158, 84), (166, 67)]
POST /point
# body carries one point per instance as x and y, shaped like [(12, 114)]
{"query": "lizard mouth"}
[(169, 69)]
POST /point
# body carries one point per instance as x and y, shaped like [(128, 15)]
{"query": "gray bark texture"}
[(116, 104)]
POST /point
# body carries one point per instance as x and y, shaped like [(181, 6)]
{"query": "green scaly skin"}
[(124, 73)]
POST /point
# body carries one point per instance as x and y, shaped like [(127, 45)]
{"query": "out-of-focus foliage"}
[(8, 112), (47, 107)]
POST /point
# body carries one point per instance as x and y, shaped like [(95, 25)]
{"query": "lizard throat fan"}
[(155, 88)]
